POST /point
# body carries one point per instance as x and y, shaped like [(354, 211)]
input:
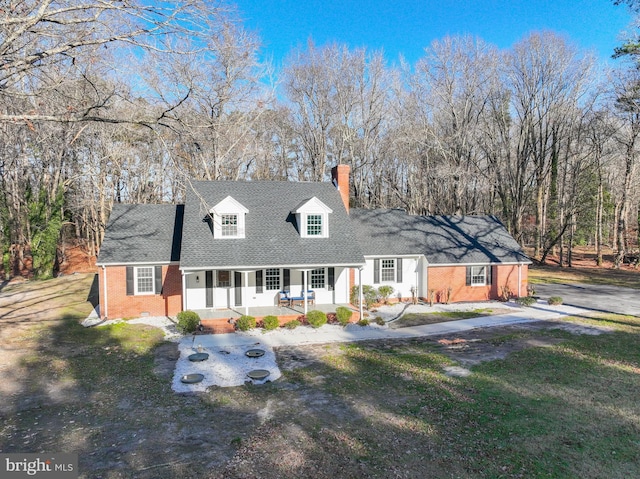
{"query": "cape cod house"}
[(266, 247)]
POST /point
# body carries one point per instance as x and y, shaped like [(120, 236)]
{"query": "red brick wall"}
[(440, 278), (119, 305)]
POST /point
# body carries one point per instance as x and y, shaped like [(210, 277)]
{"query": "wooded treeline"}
[(109, 101)]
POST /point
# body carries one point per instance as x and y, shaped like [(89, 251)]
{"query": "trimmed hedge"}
[(555, 300), (187, 321), (245, 323), (343, 315), (316, 318), (293, 324), (270, 322)]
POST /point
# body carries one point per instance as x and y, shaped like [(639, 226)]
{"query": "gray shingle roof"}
[(142, 234), (272, 237), (442, 239)]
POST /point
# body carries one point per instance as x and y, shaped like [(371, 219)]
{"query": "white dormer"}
[(312, 217), (228, 219)]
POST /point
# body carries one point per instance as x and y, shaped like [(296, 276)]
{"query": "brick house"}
[(234, 246)]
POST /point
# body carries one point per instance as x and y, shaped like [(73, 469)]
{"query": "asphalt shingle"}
[(441, 239), (142, 234), (272, 237)]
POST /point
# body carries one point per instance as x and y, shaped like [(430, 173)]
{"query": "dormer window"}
[(312, 217), (228, 219), (314, 225), (229, 225)]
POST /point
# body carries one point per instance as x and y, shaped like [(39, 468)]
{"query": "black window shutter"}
[(158, 279), (129, 280), (286, 279), (468, 275), (489, 275), (376, 271), (259, 281), (331, 283), (399, 270)]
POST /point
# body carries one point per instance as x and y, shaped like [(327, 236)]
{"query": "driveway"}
[(610, 299)]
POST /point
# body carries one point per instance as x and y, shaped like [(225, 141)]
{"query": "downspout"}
[(104, 279), (519, 280), (360, 291), (184, 292)]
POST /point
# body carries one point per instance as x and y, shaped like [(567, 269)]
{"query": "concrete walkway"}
[(334, 333), (228, 365)]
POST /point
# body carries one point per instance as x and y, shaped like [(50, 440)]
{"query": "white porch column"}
[(360, 291), (245, 292), (304, 289), (104, 279), (184, 291)]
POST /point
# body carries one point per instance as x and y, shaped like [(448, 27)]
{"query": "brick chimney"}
[(340, 178)]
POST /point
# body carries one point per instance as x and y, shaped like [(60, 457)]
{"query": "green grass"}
[(417, 319), (564, 411), (602, 276), (375, 409)]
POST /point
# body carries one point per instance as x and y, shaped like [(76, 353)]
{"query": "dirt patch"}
[(420, 319)]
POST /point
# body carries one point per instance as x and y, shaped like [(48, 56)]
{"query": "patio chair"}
[(311, 296), (283, 299)]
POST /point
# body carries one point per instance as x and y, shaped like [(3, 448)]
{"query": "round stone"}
[(258, 374), (192, 378), (255, 353), (198, 357)]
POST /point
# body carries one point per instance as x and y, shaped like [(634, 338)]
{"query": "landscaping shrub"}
[(270, 322), (316, 318), (526, 301), (245, 323), (555, 300), (343, 314), (385, 291), (363, 322), (369, 295), (379, 321), (188, 321), (293, 324)]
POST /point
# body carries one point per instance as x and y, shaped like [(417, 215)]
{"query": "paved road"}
[(600, 298)]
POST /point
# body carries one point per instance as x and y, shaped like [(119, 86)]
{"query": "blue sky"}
[(406, 27)]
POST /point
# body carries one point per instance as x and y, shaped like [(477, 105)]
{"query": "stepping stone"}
[(258, 374), (192, 378), (255, 353), (198, 357)]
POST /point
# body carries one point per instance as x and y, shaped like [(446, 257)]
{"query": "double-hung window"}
[(478, 275), (314, 225), (229, 225), (388, 270), (272, 279), (144, 280), (317, 278)]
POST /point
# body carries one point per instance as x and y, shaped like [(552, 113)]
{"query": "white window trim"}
[(266, 284), (323, 225), (394, 268), (484, 282), (324, 278), (228, 206), (136, 292)]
